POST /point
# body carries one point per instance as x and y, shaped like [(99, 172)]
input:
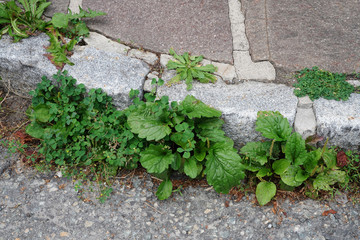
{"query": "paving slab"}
[(115, 73), (339, 121), (239, 103), (57, 6), (296, 34), (23, 64), (200, 27)]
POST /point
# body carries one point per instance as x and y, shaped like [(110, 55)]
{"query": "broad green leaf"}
[(60, 20), (223, 167), (252, 167), (200, 151), (209, 123), (156, 158), (42, 113), (301, 176), (280, 166), (35, 130), (190, 167), (195, 108), (175, 79), (173, 65), (312, 160), (215, 135), (148, 126), (264, 172), (324, 180), (176, 164), (295, 150), (265, 191), (257, 151), (165, 190), (273, 125), (288, 177), (329, 157)]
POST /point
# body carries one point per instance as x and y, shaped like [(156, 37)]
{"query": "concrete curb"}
[(305, 121)]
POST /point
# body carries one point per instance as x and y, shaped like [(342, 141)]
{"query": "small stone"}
[(226, 71), (269, 225), (148, 87), (100, 42), (207, 211), (59, 174), (88, 224), (26, 230), (305, 122), (64, 234), (53, 189)]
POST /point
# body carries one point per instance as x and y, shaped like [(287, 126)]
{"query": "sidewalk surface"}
[(261, 40)]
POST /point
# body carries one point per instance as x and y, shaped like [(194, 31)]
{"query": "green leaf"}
[(223, 167), (209, 123), (280, 166), (200, 151), (312, 160), (156, 158), (264, 172), (60, 20), (324, 180), (35, 130), (176, 164), (329, 157), (148, 125), (42, 113), (295, 150), (195, 108), (257, 151), (288, 177), (301, 176), (165, 190), (273, 125), (208, 68), (190, 167), (265, 191)]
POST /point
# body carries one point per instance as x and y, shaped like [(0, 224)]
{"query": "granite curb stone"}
[(239, 103)]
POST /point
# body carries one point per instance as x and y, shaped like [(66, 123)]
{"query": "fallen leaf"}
[(329, 212)]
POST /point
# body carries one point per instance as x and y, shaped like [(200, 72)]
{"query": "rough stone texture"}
[(305, 102), (304, 34), (247, 69), (305, 122), (102, 43), (6, 159), (114, 73), (23, 63), (148, 57), (240, 41), (239, 103), (199, 27), (339, 121), (38, 206), (255, 24), (226, 71), (57, 6)]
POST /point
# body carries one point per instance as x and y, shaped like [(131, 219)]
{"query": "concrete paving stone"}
[(239, 103), (305, 122), (199, 27), (57, 6), (116, 74), (103, 43), (23, 63), (339, 121), (306, 34), (147, 57), (249, 70), (226, 71), (305, 102), (240, 41)]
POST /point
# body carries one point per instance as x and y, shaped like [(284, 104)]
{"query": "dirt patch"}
[(12, 112)]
